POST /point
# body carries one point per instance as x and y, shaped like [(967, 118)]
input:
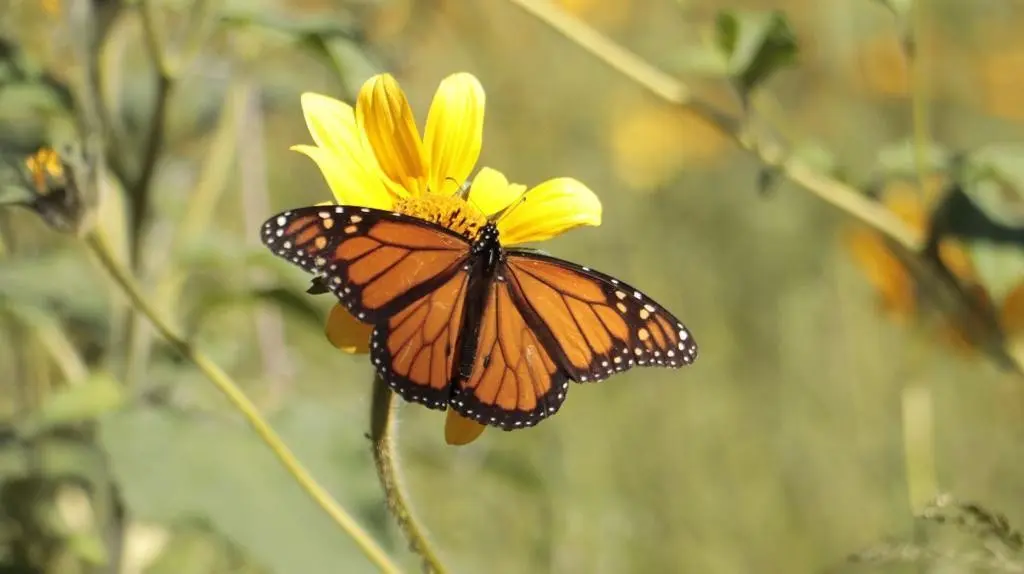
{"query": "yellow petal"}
[(332, 123), (550, 209), (458, 430), (455, 131), (384, 115), (349, 181), (491, 192), (346, 332)]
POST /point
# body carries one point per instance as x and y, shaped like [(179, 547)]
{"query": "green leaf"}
[(61, 277), (98, 395), (1000, 268), (196, 546), (50, 332), (993, 177), (899, 8), (900, 159), (755, 46), (296, 303), (301, 29), (220, 471), (90, 547), (817, 157)]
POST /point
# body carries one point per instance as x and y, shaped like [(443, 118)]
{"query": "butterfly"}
[(495, 333)]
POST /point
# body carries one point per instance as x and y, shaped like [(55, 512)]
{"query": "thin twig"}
[(674, 91), (918, 71), (382, 435), (224, 384), (252, 176), (140, 189)]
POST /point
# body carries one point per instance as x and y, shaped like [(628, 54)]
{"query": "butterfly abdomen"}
[(484, 263)]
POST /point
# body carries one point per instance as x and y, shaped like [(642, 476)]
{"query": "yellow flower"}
[(373, 156)]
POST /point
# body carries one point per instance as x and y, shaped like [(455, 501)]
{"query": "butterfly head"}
[(487, 241)]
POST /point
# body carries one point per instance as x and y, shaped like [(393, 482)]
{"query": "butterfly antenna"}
[(511, 207), (463, 191)]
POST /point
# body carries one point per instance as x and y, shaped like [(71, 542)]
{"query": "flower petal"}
[(455, 131), (350, 182), (384, 115), (550, 209), (346, 332), (332, 123), (491, 192), (458, 430)]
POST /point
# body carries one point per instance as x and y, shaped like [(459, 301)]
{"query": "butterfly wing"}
[(415, 349), (376, 262), (514, 382), (598, 324), (406, 276)]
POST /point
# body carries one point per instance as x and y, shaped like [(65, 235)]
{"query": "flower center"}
[(449, 211)]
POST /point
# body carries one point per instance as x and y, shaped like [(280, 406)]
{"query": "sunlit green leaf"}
[(756, 45), (1000, 268), (900, 159), (90, 547), (817, 157), (221, 472), (98, 395), (993, 177)]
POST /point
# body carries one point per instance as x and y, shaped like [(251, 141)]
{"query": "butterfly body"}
[(484, 264), (495, 333)]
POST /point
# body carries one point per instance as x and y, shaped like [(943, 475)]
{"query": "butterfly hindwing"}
[(599, 324), (415, 349), (376, 262), (514, 381)]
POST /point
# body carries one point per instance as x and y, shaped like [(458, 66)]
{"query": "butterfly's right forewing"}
[(376, 262)]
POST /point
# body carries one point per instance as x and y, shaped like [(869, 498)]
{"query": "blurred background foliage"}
[(835, 397)]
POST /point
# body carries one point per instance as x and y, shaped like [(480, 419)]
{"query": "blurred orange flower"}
[(881, 67), (651, 141), (1001, 93)]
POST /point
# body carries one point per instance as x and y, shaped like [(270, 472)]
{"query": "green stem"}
[(140, 189), (918, 90), (382, 435), (224, 384)]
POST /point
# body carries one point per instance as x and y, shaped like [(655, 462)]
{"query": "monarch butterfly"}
[(495, 333)]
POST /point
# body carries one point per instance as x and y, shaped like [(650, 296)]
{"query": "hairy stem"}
[(385, 454), (223, 382)]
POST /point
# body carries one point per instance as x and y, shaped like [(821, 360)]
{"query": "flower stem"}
[(382, 435), (223, 382), (671, 90)]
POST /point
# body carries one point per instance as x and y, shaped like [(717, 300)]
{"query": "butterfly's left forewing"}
[(376, 262), (598, 324)]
